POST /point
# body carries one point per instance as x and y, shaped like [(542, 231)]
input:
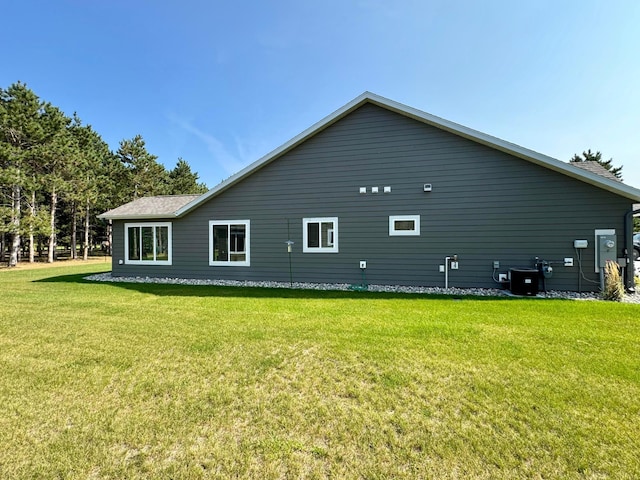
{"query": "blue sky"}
[(220, 84)]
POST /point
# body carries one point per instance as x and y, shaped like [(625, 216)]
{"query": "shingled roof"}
[(595, 167), (161, 206)]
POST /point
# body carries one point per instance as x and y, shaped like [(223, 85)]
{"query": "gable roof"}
[(587, 176), (162, 206)]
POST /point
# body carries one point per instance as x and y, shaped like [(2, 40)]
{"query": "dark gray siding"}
[(485, 205)]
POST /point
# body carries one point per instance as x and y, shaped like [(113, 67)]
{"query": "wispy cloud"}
[(229, 162)]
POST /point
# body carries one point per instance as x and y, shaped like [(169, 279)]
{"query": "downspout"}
[(628, 250)]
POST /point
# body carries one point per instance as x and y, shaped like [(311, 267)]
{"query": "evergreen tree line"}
[(56, 174)]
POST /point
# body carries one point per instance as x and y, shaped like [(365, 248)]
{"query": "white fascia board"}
[(424, 117)]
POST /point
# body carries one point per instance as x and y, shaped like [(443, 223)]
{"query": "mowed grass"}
[(156, 381)]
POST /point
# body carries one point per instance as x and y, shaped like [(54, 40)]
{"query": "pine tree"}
[(20, 135), (90, 176), (145, 175), (182, 180), (589, 156), (59, 156), (55, 173)]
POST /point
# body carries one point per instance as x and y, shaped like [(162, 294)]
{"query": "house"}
[(401, 190)]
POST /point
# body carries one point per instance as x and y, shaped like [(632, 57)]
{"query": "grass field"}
[(150, 381)]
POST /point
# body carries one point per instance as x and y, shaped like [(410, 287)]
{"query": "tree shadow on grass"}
[(178, 290)]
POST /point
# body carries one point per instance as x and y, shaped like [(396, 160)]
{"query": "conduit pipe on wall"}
[(628, 250), (446, 272), (447, 261)]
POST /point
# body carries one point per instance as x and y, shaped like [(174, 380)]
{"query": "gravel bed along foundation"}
[(453, 291)]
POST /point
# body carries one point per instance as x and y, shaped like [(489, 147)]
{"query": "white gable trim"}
[(460, 130)]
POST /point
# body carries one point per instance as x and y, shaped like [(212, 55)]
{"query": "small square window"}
[(404, 225), (320, 235)]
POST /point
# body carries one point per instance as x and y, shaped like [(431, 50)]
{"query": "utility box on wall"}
[(606, 250)]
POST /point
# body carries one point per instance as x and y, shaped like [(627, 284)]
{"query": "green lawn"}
[(151, 381)]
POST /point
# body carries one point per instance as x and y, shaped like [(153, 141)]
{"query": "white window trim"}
[(404, 233), (247, 243), (333, 231), (127, 261)]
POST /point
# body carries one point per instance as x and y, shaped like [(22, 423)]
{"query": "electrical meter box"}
[(606, 250)]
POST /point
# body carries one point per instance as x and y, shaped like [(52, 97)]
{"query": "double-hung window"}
[(320, 235), (229, 243), (147, 243)]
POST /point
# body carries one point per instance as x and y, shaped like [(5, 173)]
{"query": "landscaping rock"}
[(453, 291)]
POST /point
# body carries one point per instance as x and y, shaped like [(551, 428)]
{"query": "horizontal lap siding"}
[(485, 205)]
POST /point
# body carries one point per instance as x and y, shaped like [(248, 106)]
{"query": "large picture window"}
[(229, 243), (320, 235), (147, 243), (404, 225)]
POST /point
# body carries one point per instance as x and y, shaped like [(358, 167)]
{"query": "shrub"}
[(613, 287)]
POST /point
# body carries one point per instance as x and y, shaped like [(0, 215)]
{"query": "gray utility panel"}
[(606, 250)]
